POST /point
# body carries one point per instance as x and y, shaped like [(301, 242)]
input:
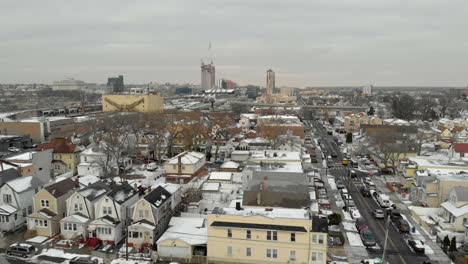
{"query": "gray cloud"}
[(321, 42)]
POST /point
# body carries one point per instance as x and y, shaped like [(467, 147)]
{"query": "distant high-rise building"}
[(116, 84), (69, 84), (270, 83), (228, 84), (367, 90), (207, 76)]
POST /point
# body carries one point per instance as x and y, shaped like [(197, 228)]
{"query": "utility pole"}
[(386, 237)]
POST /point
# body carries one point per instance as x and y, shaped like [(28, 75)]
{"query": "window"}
[(7, 198), (16, 216), (272, 253), (4, 219), (24, 212), (293, 237), (248, 252), (317, 256), (248, 234), (317, 239), (292, 255), (85, 159), (104, 230), (135, 234), (107, 210), (30, 209), (76, 207), (272, 235), (229, 232), (229, 251), (45, 203), (141, 213)]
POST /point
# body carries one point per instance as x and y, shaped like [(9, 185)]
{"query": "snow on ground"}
[(347, 216), (349, 226), (332, 184), (37, 239), (354, 239), (58, 253), (130, 261)]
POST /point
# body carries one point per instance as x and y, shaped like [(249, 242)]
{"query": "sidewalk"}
[(438, 254)]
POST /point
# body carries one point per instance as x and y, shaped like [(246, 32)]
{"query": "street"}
[(397, 249)]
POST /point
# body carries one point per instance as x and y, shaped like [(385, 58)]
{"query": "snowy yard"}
[(123, 261), (354, 239), (57, 253), (332, 184), (349, 227)]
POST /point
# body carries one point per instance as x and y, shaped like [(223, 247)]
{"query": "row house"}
[(112, 211), (354, 121), (184, 167), (455, 210), (50, 207), (36, 163), (17, 202), (151, 215), (81, 210), (66, 155)]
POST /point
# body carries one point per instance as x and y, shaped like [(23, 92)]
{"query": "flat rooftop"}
[(265, 212)]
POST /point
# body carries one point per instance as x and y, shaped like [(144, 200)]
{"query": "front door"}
[(92, 233)]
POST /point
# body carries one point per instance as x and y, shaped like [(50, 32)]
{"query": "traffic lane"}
[(396, 246)]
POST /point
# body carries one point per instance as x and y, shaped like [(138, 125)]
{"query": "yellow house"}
[(49, 208), (66, 155), (144, 103), (265, 235), (446, 135)]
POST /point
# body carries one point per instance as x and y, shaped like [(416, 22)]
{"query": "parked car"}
[(334, 155), (366, 180), (365, 192), (343, 191), (361, 223), (330, 165), (378, 213), (353, 174), (21, 250), (403, 226), (416, 245), (330, 157), (371, 185), (355, 213), (340, 185), (394, 216), (83, 260), (367, 237), (13, 149)]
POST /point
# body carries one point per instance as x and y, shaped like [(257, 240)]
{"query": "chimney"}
[(238, 206), (77, 183), (179, 164)]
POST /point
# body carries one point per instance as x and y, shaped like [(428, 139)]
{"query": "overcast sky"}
[(306, 42)]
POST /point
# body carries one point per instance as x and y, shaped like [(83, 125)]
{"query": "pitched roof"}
[(22, 184), (121, 193), (461, 147), (157, 196), (95, 190), (8, 175), (60, 188), (59, 145)]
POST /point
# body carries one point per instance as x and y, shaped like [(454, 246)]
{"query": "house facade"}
[(66, 155), (269, 235), (36, 163), (50, 207), (455, 210), (151, 216), (112, 210), (17, 202), (184, 167), (94, 159)]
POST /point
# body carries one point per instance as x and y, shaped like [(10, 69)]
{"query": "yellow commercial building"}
[(265, 235), (146, 103)]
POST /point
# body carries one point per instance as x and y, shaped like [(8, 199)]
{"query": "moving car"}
[(13, 149), (361, 223), (416, 245), (378, 214), (330, 165), (353, 174), (355, 213), (365, 192), (367, 237), (21, 250), (83, 260), (402, 226), (334, 155)]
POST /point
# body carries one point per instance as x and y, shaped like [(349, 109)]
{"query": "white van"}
[(151, 167), (384, 200)]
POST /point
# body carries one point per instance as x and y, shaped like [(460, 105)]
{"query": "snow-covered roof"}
[(275, 155), (143, 225), (211, 186), (220, 176), (88, 179), (22, 184), (186, 229), (187, 158), (75, 218), (230, 165), (23, 156), (262, 211), (455, 211), (6, 209)]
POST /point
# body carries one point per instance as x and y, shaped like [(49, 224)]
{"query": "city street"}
[(397, 249)]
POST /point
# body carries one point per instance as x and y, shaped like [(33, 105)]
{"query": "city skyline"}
[(326, 43)]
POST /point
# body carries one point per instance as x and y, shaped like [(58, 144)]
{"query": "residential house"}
[(36, 163), (455, 210), (230, 166), (461, 136), (446, 135), (151, 215), (50, 207), (181, 141), (459, 150), (96, 160), (8, 172), (112, 210), (81, 210), (17, 202), (272, 126), (185, 237), (184, 167), (66, 155), (268, 235)]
